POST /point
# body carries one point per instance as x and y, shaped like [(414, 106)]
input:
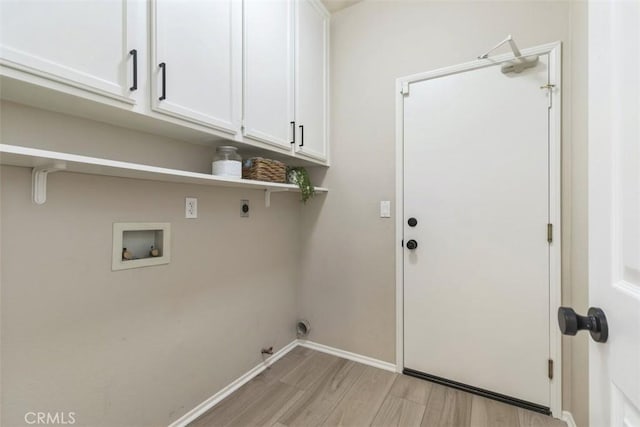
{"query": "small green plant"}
[(300, 176)]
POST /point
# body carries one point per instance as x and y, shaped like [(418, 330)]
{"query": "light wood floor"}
[(309, 388)]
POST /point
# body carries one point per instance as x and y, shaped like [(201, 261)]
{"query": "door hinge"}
[(550, 369), (405, 88), (549, 233)]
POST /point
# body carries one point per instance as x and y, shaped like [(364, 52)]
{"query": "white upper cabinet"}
[(312, 22), (85, 44), (196, 61), (268, 72), (251, 71), (285, 75)]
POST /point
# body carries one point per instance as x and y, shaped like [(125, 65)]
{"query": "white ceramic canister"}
[(227, 162)]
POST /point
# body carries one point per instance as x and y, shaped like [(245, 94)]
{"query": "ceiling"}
[(336, 5)]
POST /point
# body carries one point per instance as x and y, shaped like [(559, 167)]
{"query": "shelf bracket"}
[(267, 195), (39, 180)]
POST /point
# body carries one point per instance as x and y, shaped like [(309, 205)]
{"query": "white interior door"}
[(476, 179), (614, 210)]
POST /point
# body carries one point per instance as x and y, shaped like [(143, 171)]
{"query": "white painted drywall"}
[(143, 346)]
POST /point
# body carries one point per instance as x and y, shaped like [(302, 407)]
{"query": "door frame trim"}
[(554, 50)]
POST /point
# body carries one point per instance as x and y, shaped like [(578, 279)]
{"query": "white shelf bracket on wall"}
[(267, 195), (39, 180)]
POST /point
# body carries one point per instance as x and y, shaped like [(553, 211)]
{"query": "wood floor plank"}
[(233, 405), (534, 419), (308, 388), (310, 370), (399, 412), (361, 403), (490, 413), (318, 402), (265, 411), (286, 364), (302, 351), (413, 389), (447, 407)]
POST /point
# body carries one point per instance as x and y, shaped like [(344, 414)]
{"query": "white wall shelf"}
[(43, 160)]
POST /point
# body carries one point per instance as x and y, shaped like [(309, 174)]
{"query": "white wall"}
[(136, 347), (348, 286)]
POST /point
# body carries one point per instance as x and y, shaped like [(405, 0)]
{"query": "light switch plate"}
[(385, 209)]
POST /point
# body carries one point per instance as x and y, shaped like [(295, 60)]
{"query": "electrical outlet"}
[(244, 208), (191, 207)]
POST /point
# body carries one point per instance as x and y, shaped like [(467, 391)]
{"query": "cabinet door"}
[(311, 79), (85, 44), (198, 44), (268, 71)]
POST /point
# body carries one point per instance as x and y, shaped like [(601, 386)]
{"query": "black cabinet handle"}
[(293, 131), (301, 135), (595, 322), (163, 66), (134, 53)]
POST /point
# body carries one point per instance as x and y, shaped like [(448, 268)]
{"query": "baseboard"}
[(365, 360), (568, 418), (235, 385)]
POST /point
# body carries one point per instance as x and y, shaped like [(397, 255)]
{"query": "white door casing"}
[(86, 45), (614, 210), (448, 226)]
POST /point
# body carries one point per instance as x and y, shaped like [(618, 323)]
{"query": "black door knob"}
[(595, 322), (412, 222), (412, 244)]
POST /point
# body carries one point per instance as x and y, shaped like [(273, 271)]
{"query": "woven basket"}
[(260, 169)]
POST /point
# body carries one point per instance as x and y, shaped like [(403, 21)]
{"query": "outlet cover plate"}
[(191, 207)]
